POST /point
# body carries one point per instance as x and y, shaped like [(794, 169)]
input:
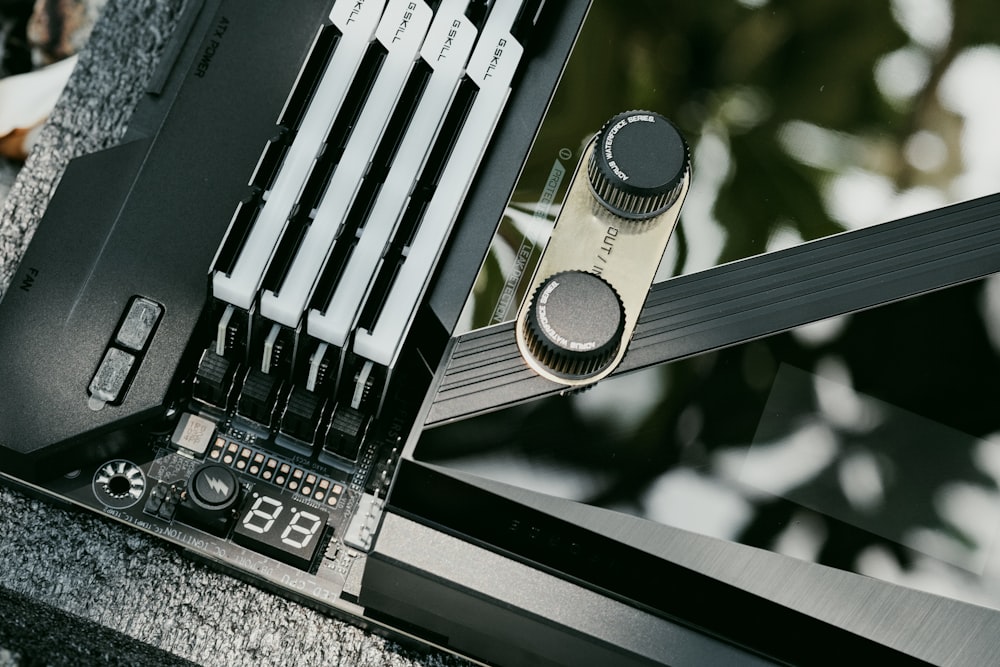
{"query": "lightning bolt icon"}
[(217, 485)]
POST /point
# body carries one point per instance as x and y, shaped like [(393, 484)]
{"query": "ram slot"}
[(401, 32), (417, 203), (445, 52), (357, 226), (316, 186), (322, 170), (238, 282), (270, 337), (491, 70), (309, 77), (270, 162), (232, 339)]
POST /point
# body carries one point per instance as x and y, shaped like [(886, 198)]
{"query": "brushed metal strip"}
[(515, 613), (748, 299), (921, 625)]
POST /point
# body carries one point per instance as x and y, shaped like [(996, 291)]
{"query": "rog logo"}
[(218, 486)]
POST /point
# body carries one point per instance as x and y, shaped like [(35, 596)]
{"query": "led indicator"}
[(280, 526)]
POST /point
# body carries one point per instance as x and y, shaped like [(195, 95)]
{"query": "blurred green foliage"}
[(741, 77), (743, 74)]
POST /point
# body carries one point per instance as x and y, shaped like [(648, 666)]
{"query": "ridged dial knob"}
[(575, 323), (638, 165)]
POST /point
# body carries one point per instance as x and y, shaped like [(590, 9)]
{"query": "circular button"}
[(575, 323), (214, 487), (638, 165)]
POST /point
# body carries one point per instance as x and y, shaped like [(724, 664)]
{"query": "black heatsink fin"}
[(213, 381), (259, 397), (347, 432)]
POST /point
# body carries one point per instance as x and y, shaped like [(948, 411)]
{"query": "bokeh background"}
[(869, 442)]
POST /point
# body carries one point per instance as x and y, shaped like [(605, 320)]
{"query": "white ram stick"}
[(492, 66), (401, 31), (357, 26), (446, 50)]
